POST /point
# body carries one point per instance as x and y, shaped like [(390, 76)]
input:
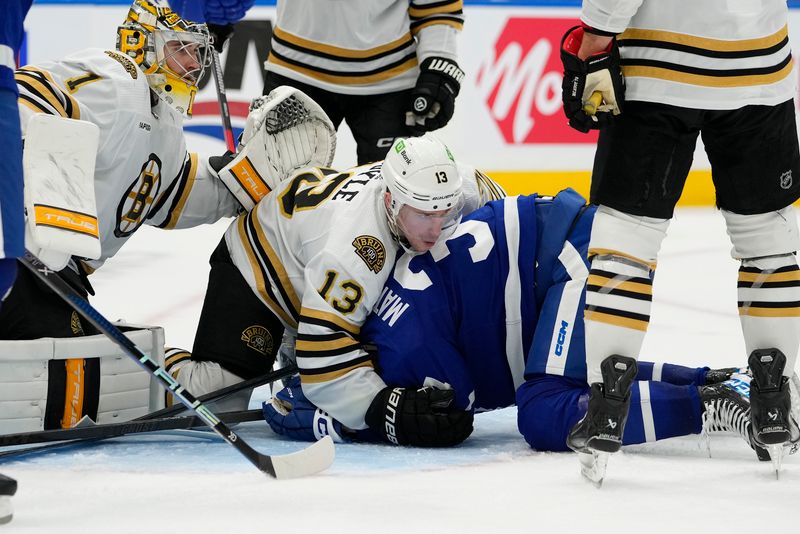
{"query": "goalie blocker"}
[(51, 383)]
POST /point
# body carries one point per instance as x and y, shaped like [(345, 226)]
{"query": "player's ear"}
[(387, 201)]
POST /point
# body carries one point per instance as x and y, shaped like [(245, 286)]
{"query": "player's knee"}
[(761, 235), (619, 235), (202, 377), (547, 408)]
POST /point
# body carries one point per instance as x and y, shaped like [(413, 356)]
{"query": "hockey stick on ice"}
[(91, 431), (224, 112), (310, 460), (220, 394)]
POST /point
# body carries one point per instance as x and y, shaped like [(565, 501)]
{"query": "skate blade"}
[(593, 466), (776, 455)]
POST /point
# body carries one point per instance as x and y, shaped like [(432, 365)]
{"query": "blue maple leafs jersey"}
[(501, 299)]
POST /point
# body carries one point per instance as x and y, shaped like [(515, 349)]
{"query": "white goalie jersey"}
[(317, 251), (143, 173)]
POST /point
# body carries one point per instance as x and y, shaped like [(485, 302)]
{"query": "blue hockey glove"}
[(290, 413)]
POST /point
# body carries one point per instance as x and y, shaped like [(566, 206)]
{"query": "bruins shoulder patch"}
[(126, 63), (371, 250), (258, 338)]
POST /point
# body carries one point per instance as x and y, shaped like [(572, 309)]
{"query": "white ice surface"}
[(493, 483)]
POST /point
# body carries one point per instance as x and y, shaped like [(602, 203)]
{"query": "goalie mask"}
[(172, 52), (426, 192)]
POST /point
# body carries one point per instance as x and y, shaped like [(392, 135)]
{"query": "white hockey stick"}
[(308, 461)]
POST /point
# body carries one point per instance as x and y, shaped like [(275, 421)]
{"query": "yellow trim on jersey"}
[(176, 357), (615, 320), (275, 261), (450, 8), (606, 282), (309, 345), (339, 51), (610, 252), (329, 317), (259, 275), (65, 219), (347, 80), (705, 80), (175, 213), (788, 276), (458, 25), (719, 45), (753, 311), (333, 375), (48, 91)]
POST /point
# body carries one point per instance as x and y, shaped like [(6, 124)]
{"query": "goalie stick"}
[(221, 394), (310, 460), (224, 112), (88, 430)]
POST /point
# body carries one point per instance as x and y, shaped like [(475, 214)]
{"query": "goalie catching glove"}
[(433, 100), (285, 131), (599, 73), (420, 417)]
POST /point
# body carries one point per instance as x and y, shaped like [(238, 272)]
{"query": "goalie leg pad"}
[(51, 382)]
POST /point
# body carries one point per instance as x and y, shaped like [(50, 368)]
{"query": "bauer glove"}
[(599, 73), (290, 413), (433, 100), (420, 417)]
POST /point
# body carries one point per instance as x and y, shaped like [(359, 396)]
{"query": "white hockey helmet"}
[(420, 172), (172, 52)]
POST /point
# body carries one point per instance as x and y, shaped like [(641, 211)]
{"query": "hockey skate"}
[(717, 376), (8, 487), (599, 433), (726, 408), (770, 398)]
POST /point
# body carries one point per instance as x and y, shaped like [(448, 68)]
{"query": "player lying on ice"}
[(494, 314), (134, 99)]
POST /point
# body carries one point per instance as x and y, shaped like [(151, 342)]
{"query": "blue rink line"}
[(495, 439)]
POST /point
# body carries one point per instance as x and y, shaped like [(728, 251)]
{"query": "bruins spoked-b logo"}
[(258, 338), (371, 250), (136, 204)]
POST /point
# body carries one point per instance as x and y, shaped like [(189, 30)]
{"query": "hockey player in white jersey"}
[(312, 258), (136, 97), (722, 70), (389, 68)]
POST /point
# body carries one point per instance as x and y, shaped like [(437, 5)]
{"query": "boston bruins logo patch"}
[(258, 338), (371, 250)]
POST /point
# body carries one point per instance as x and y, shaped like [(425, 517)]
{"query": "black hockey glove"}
[(433, 100), (220, 33), (419, 417), (599, 73)]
